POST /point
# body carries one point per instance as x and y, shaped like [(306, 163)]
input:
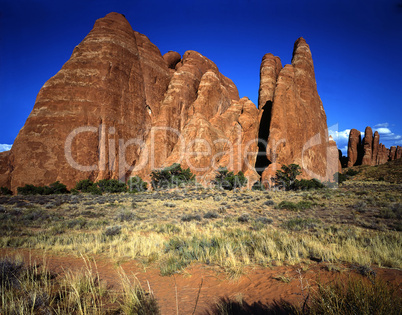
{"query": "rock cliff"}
[(293, 120), (119, 108)]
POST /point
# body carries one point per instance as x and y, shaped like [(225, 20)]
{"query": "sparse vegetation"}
[(136, 184), (33, 289), (5, 191), (171, 177), (52, 189), (228, 180)]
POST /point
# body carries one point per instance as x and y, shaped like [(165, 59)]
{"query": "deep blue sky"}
[(357, 49)]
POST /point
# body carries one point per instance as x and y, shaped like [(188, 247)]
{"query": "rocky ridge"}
[(119, 108)]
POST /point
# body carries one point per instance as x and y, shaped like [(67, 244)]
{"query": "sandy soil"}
[(256, 285)]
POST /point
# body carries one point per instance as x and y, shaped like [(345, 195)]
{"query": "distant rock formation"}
[(369, 151), (119, 108), (354, 148)]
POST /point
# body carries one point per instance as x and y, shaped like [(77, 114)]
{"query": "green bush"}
[(258, 186), (5, 191), (351, 172), (84, 185), (111, 186), (288, 205), (307, 184), (286, 177), (171, 177), (56, 188), (298, 224), (228, 180), (52, 189), (136, 184), (340, 178)]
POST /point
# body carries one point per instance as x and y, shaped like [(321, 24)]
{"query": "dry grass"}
[(355, 223), (29, 289)]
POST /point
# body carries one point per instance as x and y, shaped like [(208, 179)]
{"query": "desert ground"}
[(201, 251)]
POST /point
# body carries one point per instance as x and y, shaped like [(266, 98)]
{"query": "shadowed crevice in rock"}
[(262, 161)]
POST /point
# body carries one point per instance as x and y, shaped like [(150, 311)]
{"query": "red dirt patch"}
[(256, 285)]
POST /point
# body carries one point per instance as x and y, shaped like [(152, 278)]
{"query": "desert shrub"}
[(340, 178), (269, 203), (393, 212), (190, 217), (307, 184), (285, 178), (258, 186), (113, 230), (211, 215), (356, 296), (351, 172), (5, 191), (169, 204), (298, 224), (54, 188), (288, 205), (171, 177), (84, 185), (244, 218), (125, 215), (9, 273), (264, 220), (111, 186), (228, 180), (29, 189), (136, 184), (95, 190)]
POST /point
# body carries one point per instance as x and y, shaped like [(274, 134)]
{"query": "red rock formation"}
[(5, 169), (109, 89), (297, 123), (172, 58), (118, 108), (398, 152), (376, 144), (383, 154), (367, 147), (392, 153), (354, 145), (371, 151)]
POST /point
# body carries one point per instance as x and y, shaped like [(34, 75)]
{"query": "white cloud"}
[(5, 147), (383, 131), (383, 125)]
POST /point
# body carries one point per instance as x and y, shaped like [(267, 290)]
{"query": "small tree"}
[(136, 184), (84, 185), (286, 177), (111, 186), (171, 176), (56, 188), (228, 180), (5, 191)]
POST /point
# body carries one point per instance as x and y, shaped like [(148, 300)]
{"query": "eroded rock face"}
[(398, 152), (5, 169), (367, 147), (297, 123), (119, 108), (392, 153), (172, 58), (376, 145), (354, 148), (106, 92)]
